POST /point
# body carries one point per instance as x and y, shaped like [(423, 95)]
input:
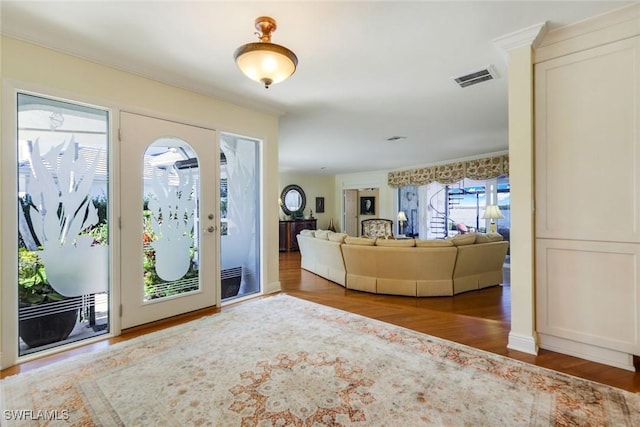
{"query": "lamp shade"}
[(492, 212), (402, 216), (264, 61)]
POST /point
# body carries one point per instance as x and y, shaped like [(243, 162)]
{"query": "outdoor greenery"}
[(33, 287), (32, 280), (154, 286)]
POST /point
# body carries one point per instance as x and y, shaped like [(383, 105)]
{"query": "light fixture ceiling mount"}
[(264, 61)]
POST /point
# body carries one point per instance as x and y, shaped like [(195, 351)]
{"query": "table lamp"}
[(402, 218), (492, 212)]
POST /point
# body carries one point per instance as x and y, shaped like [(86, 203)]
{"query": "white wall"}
[(314, 186)]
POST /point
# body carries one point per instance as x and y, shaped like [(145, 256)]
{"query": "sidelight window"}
[(63, 222)]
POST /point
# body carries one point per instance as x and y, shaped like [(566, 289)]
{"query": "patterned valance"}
[(487, 168)]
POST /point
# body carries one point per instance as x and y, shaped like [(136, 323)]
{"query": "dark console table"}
[(290, 229)]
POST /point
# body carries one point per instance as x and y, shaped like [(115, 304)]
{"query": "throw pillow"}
[(488, 237), (464, 239), (338, 237), (482, 238), (311, 233), (405, 243), (362, 241), (323, 234), (495, 237), (433, 243)]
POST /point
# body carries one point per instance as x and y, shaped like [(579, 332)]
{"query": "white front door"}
[(169, 220)]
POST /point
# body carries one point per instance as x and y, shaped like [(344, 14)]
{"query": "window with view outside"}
[(63, 222), (437, 211)]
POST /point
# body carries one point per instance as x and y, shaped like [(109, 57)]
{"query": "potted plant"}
[(45, 315)]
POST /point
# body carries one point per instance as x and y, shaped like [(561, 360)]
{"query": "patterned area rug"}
[(281, 361)]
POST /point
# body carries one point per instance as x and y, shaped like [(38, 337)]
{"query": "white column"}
[(518, 48)]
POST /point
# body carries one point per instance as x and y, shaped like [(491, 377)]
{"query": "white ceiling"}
[(368, 70)]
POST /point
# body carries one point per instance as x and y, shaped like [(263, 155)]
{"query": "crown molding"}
[(597, 31), (616, 18), (529, 36)]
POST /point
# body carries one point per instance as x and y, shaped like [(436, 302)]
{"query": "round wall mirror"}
[(293, 200)]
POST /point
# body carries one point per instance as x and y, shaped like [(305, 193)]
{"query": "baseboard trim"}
[(590, 352), (273, 287), (523, 343)]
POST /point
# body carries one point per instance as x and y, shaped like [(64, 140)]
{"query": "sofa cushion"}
[(323, 234), (337, 237), (362, 241), (464, 239), (305, 232), (433, 243), (495, 237), (405, 243), (488, 237)]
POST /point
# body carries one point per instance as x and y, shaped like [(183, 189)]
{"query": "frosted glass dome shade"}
[(266, 62)]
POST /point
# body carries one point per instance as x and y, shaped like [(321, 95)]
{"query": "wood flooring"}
[(480, 319)]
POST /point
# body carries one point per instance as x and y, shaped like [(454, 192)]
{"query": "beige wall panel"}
[(589, 292), (587, 134)]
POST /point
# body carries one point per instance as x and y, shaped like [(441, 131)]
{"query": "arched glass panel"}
[(170, 218)]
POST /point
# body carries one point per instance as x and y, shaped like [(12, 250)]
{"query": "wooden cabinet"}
[(290, 229)]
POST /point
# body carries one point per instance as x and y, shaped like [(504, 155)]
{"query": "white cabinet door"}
[(587, 178), (587, 148)]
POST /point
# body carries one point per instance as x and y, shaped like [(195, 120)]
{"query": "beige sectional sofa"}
[(479, 265), (397, 270), (322, 256), (405, 267)]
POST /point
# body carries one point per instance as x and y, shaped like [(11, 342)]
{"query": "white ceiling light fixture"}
[(264, 61)]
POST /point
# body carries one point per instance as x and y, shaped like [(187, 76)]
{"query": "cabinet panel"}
[(587, 157), (290, 229), (588, 292), (283, 234)]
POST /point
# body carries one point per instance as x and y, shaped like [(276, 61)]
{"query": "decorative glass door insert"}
[(63, 222), (170, 239)]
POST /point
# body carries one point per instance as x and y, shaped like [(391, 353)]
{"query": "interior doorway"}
[(350, 214), (359, 204)]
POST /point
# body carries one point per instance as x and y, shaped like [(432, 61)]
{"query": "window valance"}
[(487, 168)]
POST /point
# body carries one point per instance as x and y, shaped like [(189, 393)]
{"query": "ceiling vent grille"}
[(396, 138), (475, 77)]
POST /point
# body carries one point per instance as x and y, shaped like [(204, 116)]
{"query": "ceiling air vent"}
[(396, 138), (475, 77)]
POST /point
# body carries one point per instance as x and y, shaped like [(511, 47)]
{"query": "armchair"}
[(377, 227)]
